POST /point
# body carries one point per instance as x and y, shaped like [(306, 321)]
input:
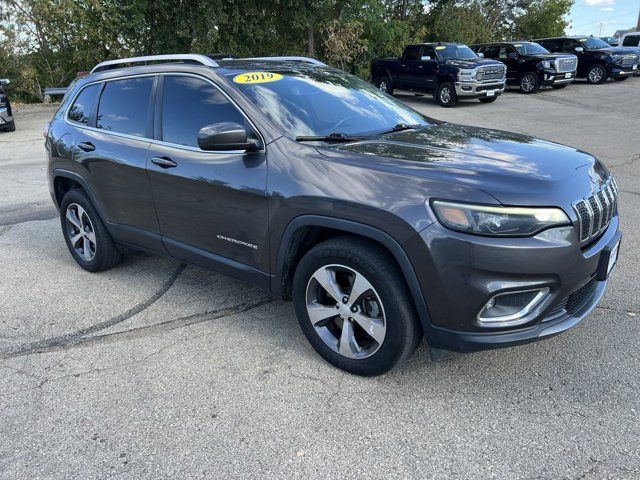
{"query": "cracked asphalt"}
[(157, 369)]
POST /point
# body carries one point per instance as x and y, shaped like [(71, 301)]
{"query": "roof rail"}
[(185, 57), (310, 60)]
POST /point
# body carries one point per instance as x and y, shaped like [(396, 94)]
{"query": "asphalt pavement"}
[(157, 369)]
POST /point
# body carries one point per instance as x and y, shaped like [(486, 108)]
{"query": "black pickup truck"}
[(529, 65), (448, 70)]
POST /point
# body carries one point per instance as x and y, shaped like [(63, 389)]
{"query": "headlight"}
[(546, 64), (466, 75), (497, 221)]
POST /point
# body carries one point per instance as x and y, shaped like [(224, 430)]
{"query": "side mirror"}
[(425, 58), (481, 55), (513, 55), (226, 136), (579, 49)]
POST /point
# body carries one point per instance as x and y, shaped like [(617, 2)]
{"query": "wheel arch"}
[(306, 231), (64, 180)]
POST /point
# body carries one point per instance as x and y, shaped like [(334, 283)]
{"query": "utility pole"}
[(638, 24)]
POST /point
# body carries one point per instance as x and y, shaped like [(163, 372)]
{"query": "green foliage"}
[(46, 42)]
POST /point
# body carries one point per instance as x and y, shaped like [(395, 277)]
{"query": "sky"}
[(587, 16)]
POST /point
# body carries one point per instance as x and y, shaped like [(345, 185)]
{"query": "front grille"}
[(494, 72), (566, 64), (629, 60), (595, 212)]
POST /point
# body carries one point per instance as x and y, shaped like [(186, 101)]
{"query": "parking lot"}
[(157, 369)]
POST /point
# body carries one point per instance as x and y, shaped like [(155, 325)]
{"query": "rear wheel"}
[(446, 95), (384, 84), (353, 305), (529, 82), (488, 99), (87, 238), (597, 74)]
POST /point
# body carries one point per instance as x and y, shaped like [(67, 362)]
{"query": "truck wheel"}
[(488, 99), (446, 95), (529, 82), (597, 74), (11, 127), (87, 238), (385, 84), (620, 79), (354, 307)]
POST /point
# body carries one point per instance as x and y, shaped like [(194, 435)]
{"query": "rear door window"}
[(124, 106), (491, 51), (411, 52), (80, 111), (190, 103)]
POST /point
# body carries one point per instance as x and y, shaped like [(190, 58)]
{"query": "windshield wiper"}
[(332, 137), (399, 128)]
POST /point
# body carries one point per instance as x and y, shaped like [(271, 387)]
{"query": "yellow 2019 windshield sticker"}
[(257, 77), (440, 47)]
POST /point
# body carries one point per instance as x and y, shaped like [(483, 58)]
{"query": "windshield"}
[(453, 52), (530, 48), (319, 102), (592, 43)]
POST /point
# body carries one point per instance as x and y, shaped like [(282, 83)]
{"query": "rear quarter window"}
[(631, 41), (80, 110)]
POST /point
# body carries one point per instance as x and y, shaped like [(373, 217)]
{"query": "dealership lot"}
[(161, 370)]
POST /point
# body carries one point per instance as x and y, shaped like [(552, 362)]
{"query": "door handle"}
[(86, 146), (164, 162)]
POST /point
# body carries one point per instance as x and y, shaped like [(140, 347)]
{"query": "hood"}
[(611, 51), (472, 63), (515, 169), (549, 56)]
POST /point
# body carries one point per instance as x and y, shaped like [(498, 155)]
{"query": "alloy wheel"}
[(596, 74), (81, 232), (383, 86), (528, 83), (346, 311), (445, 95)]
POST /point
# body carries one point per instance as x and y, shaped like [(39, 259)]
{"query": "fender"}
[(60, 172), (349, 226)]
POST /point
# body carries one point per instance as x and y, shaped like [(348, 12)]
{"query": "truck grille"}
[(629, 60), (596, 211), (566, 64), (493, 72)]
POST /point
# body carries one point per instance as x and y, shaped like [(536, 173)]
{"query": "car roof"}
[(506, 42)]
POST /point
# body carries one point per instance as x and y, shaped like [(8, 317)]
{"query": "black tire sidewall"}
[(453, 99), (536, 82), (402, 328), (604, 76), (106, 252)]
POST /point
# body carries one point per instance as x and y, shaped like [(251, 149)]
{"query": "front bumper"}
[(551, 77), (618, 71), (5, 117), (462, 272), (479, 89)]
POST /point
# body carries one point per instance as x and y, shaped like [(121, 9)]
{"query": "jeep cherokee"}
[(379, 223)]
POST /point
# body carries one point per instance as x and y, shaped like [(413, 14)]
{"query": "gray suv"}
[(382, 225)]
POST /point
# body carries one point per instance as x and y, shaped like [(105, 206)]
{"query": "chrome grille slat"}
[(566, 64), (493, 72), (595, 212)]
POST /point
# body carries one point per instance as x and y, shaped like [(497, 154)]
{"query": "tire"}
[(94, 250), (621, 79), (446, 95), (488, 99), (529, 82), (384, 83), (384, 305), (11, 127), (597, 74), (560, 86)]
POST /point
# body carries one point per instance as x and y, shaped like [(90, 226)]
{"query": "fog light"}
[(511, 308)]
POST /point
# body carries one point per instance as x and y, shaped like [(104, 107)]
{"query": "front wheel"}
[(597, 74), (353, 306), (446, 95), (87, 238), (488, 99), (384, 84), (529, 82)]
